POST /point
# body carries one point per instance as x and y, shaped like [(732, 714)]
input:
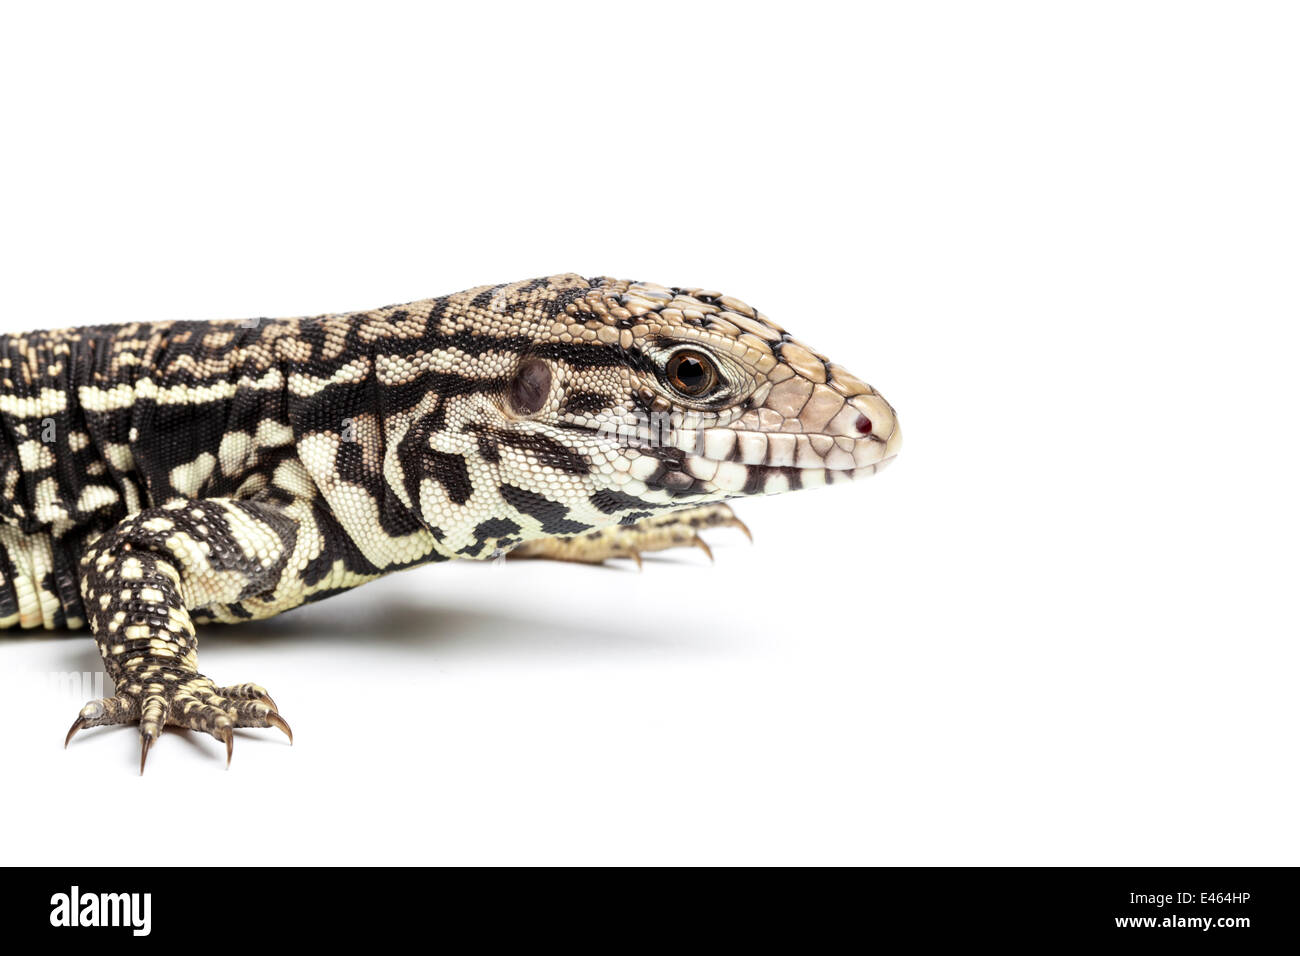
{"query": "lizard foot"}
[(675, 529), (165, 696)]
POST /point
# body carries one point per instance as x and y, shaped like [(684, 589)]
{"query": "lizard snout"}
[(842, 433), (872, 425)]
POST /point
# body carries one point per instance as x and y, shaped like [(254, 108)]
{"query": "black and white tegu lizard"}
[(159, 475)]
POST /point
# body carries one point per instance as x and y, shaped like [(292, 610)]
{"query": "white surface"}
[(1061, 239)]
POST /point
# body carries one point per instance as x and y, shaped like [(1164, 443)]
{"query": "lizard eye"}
[(691, 373)]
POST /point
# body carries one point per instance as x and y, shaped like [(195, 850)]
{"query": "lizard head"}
[(613, 400), (713, 400)]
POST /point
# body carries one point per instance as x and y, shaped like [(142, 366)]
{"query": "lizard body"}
[(157, 475)]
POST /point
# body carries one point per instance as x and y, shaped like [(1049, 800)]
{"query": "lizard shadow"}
[(473, 622), (408, 627), (417, 622)]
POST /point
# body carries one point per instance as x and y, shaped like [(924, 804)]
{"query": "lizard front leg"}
[(139, 582), (675, 529)]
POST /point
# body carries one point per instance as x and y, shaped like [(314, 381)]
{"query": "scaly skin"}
[(157, 475)]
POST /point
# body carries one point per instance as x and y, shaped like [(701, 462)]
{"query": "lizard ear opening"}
[(530, 387)]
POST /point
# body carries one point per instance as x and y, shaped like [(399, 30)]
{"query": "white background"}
[(1061, 238)]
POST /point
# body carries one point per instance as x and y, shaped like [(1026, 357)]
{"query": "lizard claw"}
[(737, 523), (76, 725), (145, 744), (275, 720)]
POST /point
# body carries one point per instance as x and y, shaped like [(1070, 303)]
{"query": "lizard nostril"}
[(863, 425)]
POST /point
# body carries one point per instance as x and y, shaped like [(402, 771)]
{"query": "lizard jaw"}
[(752, 462), (757, 463)]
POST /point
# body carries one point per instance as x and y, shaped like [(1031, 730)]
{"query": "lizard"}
[(155, 476)]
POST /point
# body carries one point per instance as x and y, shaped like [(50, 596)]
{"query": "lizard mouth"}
[(758, 463), (765, 479), (791, 449)]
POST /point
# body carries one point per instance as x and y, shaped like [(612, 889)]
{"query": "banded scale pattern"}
[(157, 475)]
